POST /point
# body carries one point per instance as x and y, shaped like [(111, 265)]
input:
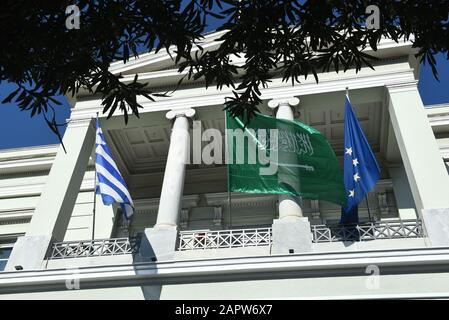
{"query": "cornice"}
[(82, 122), (438, 115), (15, 221), (278, 90), (12, 217), (27, 160), (240, 200), (35, 189), (27, 166), (151, 206), (27, 152), (146, 59), (387, 50), (444, 152), (402, 86)]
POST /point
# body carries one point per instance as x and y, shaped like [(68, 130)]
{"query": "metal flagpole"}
[(369, 211), (227, 170), (95, 183), (229, 205)]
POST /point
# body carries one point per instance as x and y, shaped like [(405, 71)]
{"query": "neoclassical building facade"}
[(190, 239)]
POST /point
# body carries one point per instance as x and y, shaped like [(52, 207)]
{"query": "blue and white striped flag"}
[(110, 183)]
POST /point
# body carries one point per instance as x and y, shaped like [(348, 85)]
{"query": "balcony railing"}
[(261, 237), (95, 248), (197, 240), (370, 231)]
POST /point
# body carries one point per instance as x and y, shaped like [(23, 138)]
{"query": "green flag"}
[(275, 156)]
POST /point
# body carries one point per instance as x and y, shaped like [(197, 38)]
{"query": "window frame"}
[(8, 245)]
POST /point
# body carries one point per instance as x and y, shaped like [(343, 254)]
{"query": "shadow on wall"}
[(157, 245), (142, 266)]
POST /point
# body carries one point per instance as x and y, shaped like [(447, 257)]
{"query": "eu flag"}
[(361, 170)]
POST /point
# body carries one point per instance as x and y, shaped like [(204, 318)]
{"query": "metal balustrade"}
[(369, 231), (202, 240), (95, 248), (197, 240)]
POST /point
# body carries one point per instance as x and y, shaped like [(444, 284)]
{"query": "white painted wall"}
[(19, 197)]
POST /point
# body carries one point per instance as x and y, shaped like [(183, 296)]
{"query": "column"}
[(160, 241), (51, 217), (424, 166), (178, 155), (291, 232), (288, 205)]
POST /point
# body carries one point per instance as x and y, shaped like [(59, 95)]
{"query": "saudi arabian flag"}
[(275, 156)]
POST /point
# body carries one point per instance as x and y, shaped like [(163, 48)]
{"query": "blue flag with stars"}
[(361, 170)]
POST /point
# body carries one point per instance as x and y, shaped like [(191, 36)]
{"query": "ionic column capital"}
[(188, 113), (291, 102)]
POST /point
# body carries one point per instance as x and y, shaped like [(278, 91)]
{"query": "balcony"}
[(95, 248), (242, 238), (406, 229), (248, 242)]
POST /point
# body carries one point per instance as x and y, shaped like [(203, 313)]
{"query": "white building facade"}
[(189, 240)]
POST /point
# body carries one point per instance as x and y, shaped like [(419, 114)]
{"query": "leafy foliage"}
[(292, 38)]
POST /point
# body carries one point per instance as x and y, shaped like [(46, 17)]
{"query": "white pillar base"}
[(158, 244), (29, 253), (436, 223), (291, 235)]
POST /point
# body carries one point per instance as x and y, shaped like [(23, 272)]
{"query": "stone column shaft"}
[(288, 205), (291, 232), (159, 242), (173, 184)]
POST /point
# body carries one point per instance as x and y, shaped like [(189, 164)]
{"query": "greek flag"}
[(361, 170), (110, 183)]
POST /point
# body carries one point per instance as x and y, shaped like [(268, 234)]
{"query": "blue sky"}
[(17, 129)]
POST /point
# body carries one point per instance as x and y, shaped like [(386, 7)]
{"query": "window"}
[(5, 252)]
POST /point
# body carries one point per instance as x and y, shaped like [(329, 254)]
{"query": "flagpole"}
[(367, 205), (95, 184), (227, 170)]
